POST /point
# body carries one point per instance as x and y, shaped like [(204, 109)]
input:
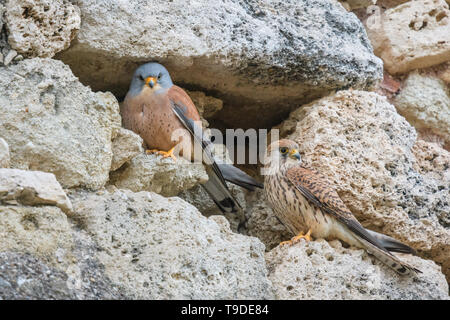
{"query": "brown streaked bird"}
[(304, 202), (167, 119)]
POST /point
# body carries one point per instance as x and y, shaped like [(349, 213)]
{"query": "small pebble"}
[(9, 57)]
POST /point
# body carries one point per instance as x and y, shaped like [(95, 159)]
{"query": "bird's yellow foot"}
[(165, 154), (297, 238)]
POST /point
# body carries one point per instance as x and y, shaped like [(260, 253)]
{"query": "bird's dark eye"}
[(141, 77), (283, 150), (159, 76)]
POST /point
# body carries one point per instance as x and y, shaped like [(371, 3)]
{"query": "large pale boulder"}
[(41, 28), (412, 35), (163, 248), (53, 123), (32, 188), (157, 174), (322, 270), (364, 148), (44, 256), (260, 57), (425, 102), (262, 223)]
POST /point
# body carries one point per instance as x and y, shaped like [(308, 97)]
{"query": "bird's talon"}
[(297, 238), (165, 154)]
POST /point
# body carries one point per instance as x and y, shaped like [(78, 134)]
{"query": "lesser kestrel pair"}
[(301, 198)]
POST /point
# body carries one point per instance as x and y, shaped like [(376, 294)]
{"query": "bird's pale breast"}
[(151, 116)]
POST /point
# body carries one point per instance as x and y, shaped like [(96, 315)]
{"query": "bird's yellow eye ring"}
[(284, 150)]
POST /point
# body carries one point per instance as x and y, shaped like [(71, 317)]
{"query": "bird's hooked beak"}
[(294, 154), (151, 81)]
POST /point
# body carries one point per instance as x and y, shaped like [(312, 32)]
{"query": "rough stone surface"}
[(24, 277), (425, 103), (44, 256), (4, 154), (125, 146), (32, 188), (364, 147), (41, 28), (322, 270), (199, 198), (157, 174), (53, 123), (412, 35), (260, 57), (163, 248), (42, 231)]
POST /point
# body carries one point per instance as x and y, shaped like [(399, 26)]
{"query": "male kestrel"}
[(303, 201), (165, 117)]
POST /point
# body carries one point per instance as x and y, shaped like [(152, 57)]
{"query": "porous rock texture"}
[(125, 146), (32, 188), (41, 28), (53, 123), (322, 270), (425, 102), (412, 35), (43, 255), (261, 57), (163, 248), (364, 148), (161, 175), (262, 223)]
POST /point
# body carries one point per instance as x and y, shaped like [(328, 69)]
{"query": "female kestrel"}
[(303, 201), (165, 117)]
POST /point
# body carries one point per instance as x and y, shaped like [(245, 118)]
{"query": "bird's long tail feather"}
[(391, 244), (389, 259)]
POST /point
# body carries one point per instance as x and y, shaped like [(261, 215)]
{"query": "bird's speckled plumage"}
[(303, 200)]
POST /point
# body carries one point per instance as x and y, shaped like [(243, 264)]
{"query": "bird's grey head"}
[(151, 75)]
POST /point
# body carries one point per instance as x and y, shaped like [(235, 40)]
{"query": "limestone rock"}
[(42, 255), (125, 146), (412, 35), (199, 198), (163, 248), (26, 278), (43, 232), (41, 28), (322, 270), (4, 154), (425, 103), (364, 148), (53, 123), (161, 175), (32, 188), (260, 57)]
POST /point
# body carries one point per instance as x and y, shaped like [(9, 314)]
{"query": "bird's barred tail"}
[(389, 259)]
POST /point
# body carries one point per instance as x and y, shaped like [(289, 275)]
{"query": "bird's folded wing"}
[(315, 189), (197, 133)]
